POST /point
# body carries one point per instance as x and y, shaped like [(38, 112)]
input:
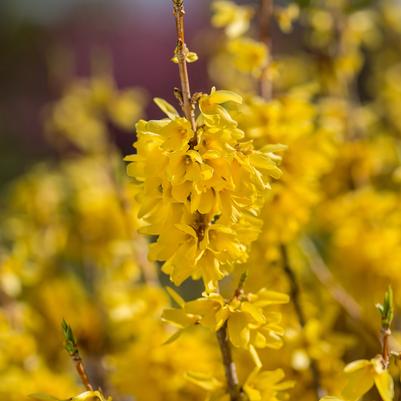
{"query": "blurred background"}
[(45, 44)]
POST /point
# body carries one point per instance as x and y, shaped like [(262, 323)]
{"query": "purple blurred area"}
[(44, 43)]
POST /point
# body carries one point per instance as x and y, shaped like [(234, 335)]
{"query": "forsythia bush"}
[(241, 254)]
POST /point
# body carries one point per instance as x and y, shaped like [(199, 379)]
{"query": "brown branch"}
[(71, 347), (181, 52), (233, 387), (324, 275), (80, 368), (295, 293), (386, 333), (229, 365), (265, 35)]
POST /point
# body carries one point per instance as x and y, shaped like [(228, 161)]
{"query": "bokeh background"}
[(47, 43)]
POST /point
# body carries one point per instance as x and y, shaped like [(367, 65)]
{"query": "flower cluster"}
[(85, 107), (200, 192)]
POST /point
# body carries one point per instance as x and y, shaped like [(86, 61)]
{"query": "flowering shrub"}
[(240, 255)]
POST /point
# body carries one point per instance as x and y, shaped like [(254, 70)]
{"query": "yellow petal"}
[(360, 381), (255, 357), (205, 381), (207, 201), (187, 230), (177, 297), (356, 365), (90, 396), (266, 297), (238, 332), (385, 385), (191, 57), (330, 398), (166, 108), (177, 317), (254, 311), (222, 96)]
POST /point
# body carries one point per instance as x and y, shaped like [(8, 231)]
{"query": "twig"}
[(72, 348), (386, 333), (265, 36), (386, 310), (324, 275), (229, 365), (295, 297), (240, 288), (339, 294), (181, 52), (233, 386)]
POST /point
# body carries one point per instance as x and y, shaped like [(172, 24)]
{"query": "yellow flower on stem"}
[(363, 374), (266, 385), (200, 192), (249, 322)]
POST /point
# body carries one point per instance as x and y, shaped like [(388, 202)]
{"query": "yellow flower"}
[(249, 56), (190, 57), (249, 322), (213, 115), (234, 18), (91, 396), (363, 374), (176, 134), (286, 17), (82, 114), (267, 385), (259, 386)]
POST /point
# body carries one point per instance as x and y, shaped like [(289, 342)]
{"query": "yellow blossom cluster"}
[(310, 149), (200, 192), (79, 117)]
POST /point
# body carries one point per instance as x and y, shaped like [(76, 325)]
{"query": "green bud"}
[(70, 342), (386, 309)]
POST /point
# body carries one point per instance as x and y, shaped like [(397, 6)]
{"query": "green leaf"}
[(166, 108), (386, 309), (70, 342), (176, 297)]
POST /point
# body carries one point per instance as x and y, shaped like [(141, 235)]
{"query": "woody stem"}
[(229, 365), (386, 333), (80, 368), (265, 36), (181, 52), (295, 293)]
